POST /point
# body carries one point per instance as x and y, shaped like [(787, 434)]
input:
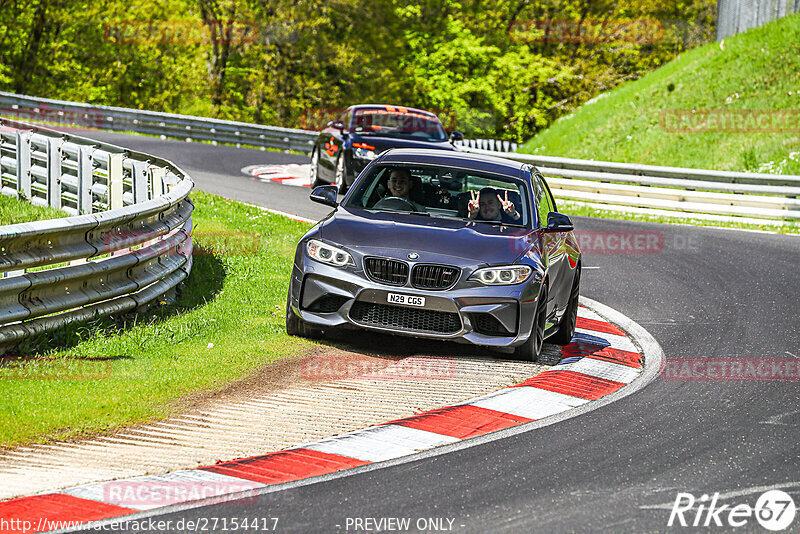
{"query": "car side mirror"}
[(325, 194), (339, 125), (558, 222), (455, 135)]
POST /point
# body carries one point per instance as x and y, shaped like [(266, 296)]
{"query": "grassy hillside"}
[(757, 70)]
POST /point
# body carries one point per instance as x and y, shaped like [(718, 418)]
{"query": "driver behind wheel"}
[(400, 184)]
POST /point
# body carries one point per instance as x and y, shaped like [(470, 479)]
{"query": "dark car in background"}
[(362, 132), (432, 257)]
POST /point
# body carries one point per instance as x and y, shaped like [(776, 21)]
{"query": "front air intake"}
[(434, 276), (386, 271)]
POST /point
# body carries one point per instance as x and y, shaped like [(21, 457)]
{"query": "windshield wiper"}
[(423, 213), (496, 223)]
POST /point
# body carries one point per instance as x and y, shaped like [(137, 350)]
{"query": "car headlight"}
[(502, 276), (328, 254), (363, 153)]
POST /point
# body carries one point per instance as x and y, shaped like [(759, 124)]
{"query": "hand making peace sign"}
[(474, 203), (508, 206)]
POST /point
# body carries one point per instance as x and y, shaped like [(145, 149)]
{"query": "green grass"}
[(13, 211), (227, 323), (756, 70)]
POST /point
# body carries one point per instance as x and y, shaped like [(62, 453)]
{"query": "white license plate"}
[(406, 300)]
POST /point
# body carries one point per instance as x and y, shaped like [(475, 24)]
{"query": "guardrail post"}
[(140, 181), (114, 181), (170, 181), (85, 175), (54, 173), (157, 175), (24, 165)]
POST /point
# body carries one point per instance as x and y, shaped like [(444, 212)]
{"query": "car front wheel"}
[(566, 329), (531, 350), (295, 326)]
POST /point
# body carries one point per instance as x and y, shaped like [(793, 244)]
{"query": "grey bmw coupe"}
[(442, 245)]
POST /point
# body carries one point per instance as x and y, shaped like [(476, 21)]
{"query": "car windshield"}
[(399, 122), (444, 192)]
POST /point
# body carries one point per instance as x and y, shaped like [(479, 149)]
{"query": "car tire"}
[(295, 326), (531, 350), (566, 329), (313, 170), (340, 178)]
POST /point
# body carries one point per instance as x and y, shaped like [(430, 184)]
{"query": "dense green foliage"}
[(294, 62), (747, 76)]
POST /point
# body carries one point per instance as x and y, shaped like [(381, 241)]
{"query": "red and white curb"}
[(292, 174), (609, 358)]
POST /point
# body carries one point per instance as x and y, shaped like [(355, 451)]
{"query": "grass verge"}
[(13, 211), (227, 322)]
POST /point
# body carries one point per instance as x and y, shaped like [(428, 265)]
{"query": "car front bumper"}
[(326, 296)]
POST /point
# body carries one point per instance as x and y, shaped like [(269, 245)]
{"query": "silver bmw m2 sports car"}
[(443, 245)]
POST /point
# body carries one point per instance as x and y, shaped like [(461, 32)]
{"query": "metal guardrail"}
[(170, 125), (127, 243), (669, 191), (184, 127), (646, 189)]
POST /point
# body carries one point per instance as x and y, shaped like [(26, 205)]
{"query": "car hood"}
[(385, 143), (394, 234)]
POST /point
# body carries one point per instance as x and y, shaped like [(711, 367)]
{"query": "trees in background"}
[(505, 69)]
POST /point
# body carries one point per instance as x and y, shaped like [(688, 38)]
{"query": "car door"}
[(330, 144), (555, 245)]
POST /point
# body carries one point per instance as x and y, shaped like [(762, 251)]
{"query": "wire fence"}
[(736, 16)]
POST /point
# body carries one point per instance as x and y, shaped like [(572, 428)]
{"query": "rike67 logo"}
[(774, 510)]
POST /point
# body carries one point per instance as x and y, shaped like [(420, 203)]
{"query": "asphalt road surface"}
[(704, 293)]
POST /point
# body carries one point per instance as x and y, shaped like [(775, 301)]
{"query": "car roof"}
[(384, 106), (462, 160)]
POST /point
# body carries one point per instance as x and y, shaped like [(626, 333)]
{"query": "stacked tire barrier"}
[(127, 243)]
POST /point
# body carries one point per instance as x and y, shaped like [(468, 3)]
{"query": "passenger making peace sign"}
[(487, 205)]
